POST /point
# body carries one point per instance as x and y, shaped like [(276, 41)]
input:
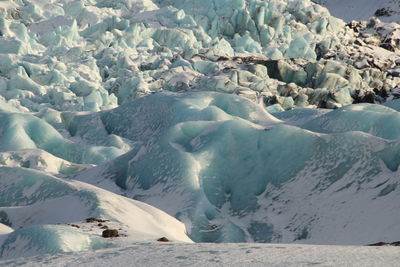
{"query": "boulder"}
[(108, 233)]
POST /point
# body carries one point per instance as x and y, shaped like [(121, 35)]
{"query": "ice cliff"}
[(206, 110)]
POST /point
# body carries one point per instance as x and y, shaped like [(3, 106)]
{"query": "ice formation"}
[(94, 55), (202, 109), (238, 174)]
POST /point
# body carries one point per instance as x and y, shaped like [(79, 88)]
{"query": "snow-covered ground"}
[(169, 254)]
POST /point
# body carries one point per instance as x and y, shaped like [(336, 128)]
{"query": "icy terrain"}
[(203, 254), (94, 55), (205, 110), (222, 165)]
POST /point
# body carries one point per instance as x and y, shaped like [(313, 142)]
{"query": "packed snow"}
[(197, 121), (203, 254)]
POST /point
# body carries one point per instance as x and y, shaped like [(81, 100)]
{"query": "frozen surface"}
[(151, 254), (224, 166), (234, 173)]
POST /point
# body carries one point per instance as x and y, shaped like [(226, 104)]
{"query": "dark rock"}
[(110, 233), (92, 220), (383, 12), (322, 104), (163, 239), (223, 58), (395, 72), (389, 45), (382, 93), (272, 100), (380, 244), (369, 98), (359, 42)]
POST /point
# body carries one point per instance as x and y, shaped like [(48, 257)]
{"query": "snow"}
[(46, 212), (172, 254), (4, 231)]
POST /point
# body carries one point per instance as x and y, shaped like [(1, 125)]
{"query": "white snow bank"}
[(49, 215)]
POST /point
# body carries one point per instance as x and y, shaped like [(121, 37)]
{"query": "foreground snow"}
[(170, 254), (47, 215)]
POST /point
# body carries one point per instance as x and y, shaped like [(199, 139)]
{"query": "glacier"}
[(228, 166), (223, 165), (212, 121), (95, 55)]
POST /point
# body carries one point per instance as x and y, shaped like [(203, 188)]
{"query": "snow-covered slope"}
[(385, 10), (48, 216)]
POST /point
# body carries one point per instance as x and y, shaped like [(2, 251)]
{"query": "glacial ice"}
[(202, 109), (24, 131), (44, 239), (220, 163), (92, 56), (223, 160)]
